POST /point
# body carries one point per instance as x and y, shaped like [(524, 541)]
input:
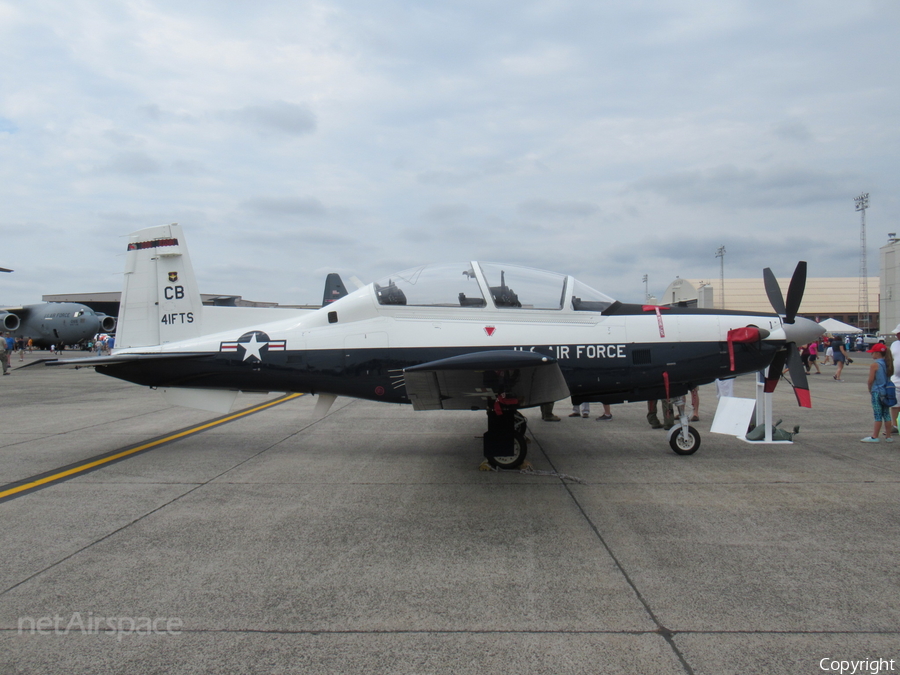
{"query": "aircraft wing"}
[(22, 312), (470, 381)]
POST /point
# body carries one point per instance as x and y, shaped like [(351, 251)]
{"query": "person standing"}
[(10, 348), (829, 354), (814, 357), (584, 410), (607, 413), (895, 355), (547, 412), (668, 415), (724, 388), (840, 357), (880, 371), (4, 355)]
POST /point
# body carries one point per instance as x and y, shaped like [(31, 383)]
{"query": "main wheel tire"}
[(684, 446), (514, 461)]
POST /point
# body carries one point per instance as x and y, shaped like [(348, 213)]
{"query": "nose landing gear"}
[(683, 438)]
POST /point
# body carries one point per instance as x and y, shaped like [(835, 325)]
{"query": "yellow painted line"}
[(146, 446)]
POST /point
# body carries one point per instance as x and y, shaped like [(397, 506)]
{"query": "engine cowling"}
[(9, 321), (107, 323)]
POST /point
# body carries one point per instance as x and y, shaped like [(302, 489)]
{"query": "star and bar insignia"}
[(254, 345)]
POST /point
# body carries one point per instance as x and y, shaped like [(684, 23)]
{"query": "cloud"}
[(793, 130), (543, 208), (602, 139), (304, 238), (749, 187), (132, 164), (284, 206), (279, 117), (448, 178), (447, 213)]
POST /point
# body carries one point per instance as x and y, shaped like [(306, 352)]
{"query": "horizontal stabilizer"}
[(94, 361), (472, 381)]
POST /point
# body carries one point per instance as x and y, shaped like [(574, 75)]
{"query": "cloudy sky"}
[(291, 139)]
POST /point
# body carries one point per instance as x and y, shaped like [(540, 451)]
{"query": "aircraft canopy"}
[(507, 286)]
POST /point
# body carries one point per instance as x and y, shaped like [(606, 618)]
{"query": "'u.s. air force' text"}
[(580, 351)]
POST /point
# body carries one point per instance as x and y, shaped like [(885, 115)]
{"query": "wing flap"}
[(471, 381)]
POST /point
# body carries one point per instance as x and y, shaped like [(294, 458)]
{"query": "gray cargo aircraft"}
[(52, 323)]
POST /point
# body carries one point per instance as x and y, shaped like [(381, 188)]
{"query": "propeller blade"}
[(775, 369), (798, 376), (795, 292), (773, 290)]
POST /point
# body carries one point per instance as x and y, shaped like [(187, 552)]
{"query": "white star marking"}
[(252, 348)]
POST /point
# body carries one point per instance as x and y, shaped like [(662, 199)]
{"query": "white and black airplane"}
[(461, 336)]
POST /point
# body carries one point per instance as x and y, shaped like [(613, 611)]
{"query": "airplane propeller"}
[(796, 330)]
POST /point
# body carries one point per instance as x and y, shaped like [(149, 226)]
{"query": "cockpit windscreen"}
[(444, 285), (586, 299), (524, 287)]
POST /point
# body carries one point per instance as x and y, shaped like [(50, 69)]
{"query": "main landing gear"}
[(505, 445)]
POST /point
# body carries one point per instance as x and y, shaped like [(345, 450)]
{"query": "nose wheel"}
[(684, 440)]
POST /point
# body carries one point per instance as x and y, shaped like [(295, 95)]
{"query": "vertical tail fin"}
[(334, 288), (160, 299)]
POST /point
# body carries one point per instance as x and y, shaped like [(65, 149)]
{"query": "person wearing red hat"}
[(879, 375)]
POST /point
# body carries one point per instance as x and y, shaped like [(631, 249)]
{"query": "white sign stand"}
[(733, 414)]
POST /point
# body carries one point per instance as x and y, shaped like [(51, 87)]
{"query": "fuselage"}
[(53, 323), (360, 345)]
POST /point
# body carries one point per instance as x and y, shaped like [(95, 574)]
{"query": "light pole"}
[(862, 310), (720, 254), (646, 289)]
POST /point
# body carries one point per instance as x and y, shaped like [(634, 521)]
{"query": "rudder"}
[(160, 300)]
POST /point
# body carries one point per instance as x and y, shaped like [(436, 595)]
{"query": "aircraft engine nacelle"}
[(9, 321), (107, 323)]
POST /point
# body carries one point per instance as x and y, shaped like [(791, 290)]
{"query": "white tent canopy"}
[(835, 326)]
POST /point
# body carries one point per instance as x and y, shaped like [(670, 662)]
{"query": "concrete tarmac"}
[(369, 541)]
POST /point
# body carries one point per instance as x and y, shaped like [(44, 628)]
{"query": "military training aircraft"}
[(52, 323), (461, 336)]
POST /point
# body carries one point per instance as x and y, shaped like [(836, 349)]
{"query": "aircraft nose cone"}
[(802, 331)]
